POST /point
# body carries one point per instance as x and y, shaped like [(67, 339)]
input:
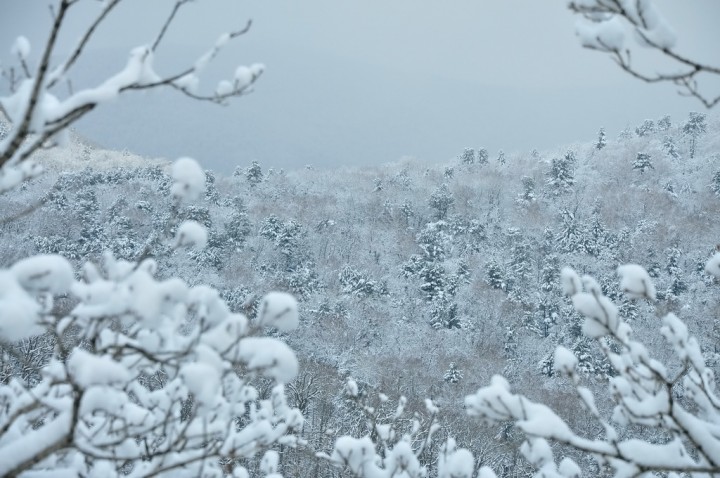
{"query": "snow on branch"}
[(603, 26), (644, 391), (40, 118)]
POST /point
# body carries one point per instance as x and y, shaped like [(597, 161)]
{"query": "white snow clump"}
[(279, 310), (189, 180), (191, 234)]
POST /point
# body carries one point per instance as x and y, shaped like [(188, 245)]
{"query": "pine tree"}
[(715, 184), (254, 174), (495, 275), (501, 157), (467, 156), (441, 201), (602, 140), (528, 195), (693, 128), (668, 145), (571, 237), (664, 123), (482, 156), (642, 162), (452, 374), (646, 128), (562, 173)]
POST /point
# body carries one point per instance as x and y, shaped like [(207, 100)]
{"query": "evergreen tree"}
[(452, 374), (501, 157), (482, 156), (664, 123), (715, 184), (495, 275), (562, 173), (571, 237), (693, 128), (677, 283), (254, 174), (642, 162), (646, 128), (449, 172), (602, 140), (528, 195), (668, 145), (467, 156), (441, 200)]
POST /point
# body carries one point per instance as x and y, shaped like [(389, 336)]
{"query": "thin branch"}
[(60, 71), (169, 20), (21, 132)]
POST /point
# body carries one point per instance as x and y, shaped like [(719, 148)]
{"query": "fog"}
[(367, 82)]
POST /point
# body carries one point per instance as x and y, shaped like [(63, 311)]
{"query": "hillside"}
[(406, 268)]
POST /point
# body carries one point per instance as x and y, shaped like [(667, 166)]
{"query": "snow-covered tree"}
[(642, 162), (452, 374), (693, 128), (668, 145), (482, 156), (254, 174), (646, 128), (562, 173), (601, 140), (679, 399), (146, 377), (527, 196), (467, 156), (441, 201)]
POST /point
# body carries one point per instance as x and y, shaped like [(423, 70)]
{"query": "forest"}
[(413, 280), (549, 313)]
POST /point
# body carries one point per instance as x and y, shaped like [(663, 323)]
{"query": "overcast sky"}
[(368, 81)]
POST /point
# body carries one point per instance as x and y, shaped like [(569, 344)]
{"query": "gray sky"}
[(369, 81)]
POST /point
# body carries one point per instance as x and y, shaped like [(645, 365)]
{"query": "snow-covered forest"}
[(416, 280), (547, 313)]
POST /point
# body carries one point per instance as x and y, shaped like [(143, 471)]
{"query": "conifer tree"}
[(668, 145), (694, 127), (441, 201), (452, 374), (467, 156), (482, 156), (642, 162), (602, 140)]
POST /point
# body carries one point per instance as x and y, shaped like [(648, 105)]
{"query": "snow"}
[(87, 370), (270, 357), (713, 265), (243, 76), (565, 360), (606, 35), (21, 48), (279, 310), (191, 234), (455, 462), (189, 83), (202, 380), (224, 88), (636, 282), (189, 180), (19, 312), (44, 273), (570, 281)]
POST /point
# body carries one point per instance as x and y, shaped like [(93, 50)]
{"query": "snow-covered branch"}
[(682, 405), (40, 118), (604, 24)]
